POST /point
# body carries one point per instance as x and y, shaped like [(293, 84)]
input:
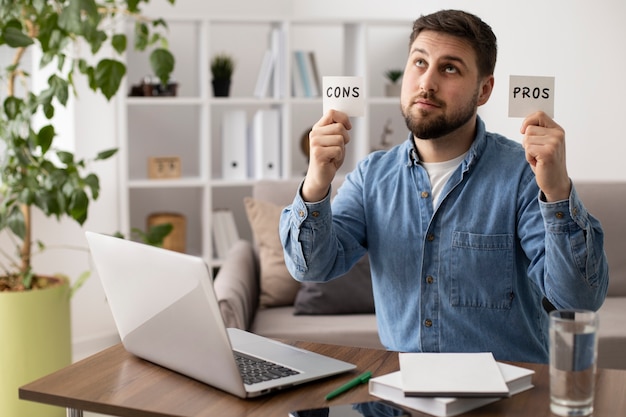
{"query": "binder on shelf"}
[(265, 144), (234, 127), (225, 233)]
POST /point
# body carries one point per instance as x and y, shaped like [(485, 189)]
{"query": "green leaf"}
[(27, 196), (12, 107), (70, 19), (83, 66), (15, 38), (59, 87), (66, 157), (118, 42), (48, 111), (157, 233), (162, 63), (82, 278), (133, 5), (108, 76), (159, 22), (78, 206), (106, 154), (45, 137), (96, 40), (15, 221), (93, 183), (141, 36)]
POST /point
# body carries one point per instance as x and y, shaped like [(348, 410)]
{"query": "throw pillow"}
[(348, 294), (278, 288)]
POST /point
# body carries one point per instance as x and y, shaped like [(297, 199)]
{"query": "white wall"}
[(580, 43)]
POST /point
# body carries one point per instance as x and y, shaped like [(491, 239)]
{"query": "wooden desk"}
[(114, 382)]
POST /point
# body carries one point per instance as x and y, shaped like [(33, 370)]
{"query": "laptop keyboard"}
[(254, 370)]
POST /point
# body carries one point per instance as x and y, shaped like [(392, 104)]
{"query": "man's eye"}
[(420, 63), (450, 69)]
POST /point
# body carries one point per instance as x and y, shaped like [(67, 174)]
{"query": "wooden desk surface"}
[(114, 382)]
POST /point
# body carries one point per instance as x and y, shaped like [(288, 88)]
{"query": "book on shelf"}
[(390, 387), (234, 138), (473, 374), (305, 74), (262, 87), (265, 144), (277, 41), (225, 233), (269, 80)]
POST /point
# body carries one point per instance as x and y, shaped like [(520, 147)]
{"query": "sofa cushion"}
[(347, 329), (237, 295), (348, 294), (611, 333), (278, 288), (606, 202)]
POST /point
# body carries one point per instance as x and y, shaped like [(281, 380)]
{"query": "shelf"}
[(189, 126)]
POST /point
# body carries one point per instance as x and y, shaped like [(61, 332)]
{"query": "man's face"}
[(441, 88)]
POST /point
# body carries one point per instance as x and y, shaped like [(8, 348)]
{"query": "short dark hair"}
[(465, 26)]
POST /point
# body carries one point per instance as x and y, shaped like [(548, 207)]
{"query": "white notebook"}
[(452, 375)]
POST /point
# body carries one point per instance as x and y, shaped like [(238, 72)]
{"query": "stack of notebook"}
[(448, 384)]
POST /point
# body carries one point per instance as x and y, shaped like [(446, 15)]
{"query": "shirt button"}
[(301, 213), (430, 279), (425, 194), (315, 214), (428, 323), (559, 215), (430, 237)]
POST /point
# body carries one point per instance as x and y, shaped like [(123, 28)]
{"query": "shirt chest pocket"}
[(481, 270)]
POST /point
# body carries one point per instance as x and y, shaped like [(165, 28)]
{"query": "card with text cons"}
[(346, 94)]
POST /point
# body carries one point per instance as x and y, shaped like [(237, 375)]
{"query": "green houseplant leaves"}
[(35, 173)]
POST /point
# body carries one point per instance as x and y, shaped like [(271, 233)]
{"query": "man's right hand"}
[(327, 142)]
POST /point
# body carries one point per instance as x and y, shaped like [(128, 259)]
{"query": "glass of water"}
[(573, 353)]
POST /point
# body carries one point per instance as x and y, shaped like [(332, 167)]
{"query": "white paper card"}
[(346, 94), (528, 94)]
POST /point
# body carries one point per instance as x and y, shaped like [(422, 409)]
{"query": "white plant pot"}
[(393, 90)]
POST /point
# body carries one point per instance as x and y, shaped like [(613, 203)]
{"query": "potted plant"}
[(222, 67), (392, 89), (37, 174)]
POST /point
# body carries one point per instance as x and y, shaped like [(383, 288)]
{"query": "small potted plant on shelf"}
[(222, 67), (392, 89), (36, 174)]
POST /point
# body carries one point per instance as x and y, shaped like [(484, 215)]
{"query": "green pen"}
[(361, 379)]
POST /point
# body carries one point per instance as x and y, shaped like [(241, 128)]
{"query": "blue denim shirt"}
[(466, 275)]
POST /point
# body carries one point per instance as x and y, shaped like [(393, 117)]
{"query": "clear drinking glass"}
[(573, 353)]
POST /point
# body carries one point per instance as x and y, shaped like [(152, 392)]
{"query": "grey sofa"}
[(238, 287)]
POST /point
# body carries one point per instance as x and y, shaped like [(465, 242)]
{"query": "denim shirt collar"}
[(477, 148)]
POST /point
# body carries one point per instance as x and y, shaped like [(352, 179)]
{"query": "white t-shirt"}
[(439, 173)]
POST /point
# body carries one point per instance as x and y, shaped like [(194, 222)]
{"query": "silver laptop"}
[(166, 312)]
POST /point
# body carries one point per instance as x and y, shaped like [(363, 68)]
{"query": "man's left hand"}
[(544, 142)]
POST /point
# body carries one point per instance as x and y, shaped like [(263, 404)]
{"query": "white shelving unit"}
[(188, 126)]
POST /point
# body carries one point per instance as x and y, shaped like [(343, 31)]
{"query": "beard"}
[(426, 126)]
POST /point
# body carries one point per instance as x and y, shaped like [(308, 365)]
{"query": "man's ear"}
[(486, 87)]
